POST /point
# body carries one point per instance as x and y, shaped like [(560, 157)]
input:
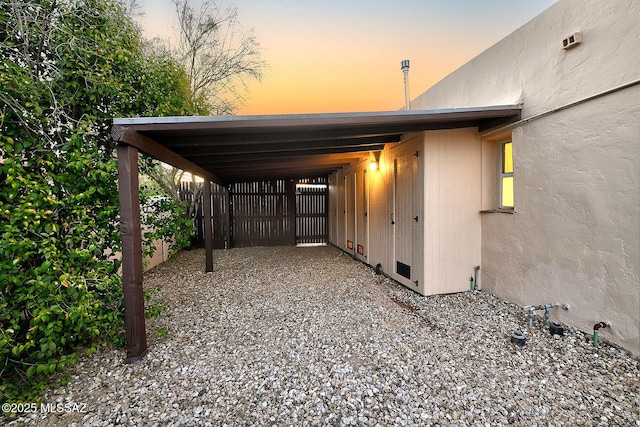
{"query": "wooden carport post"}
[(131, 253), (208, 227)]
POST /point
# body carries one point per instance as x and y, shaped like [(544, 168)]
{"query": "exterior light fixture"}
[(375, 163)]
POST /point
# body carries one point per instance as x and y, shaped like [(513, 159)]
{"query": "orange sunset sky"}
[(344, 56)]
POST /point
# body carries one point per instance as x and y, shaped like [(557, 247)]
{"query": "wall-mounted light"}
[(375, 163)]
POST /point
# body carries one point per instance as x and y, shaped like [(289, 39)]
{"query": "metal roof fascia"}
[(321, 116)]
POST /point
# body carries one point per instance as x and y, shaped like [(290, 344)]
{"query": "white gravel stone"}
[(309, 337)]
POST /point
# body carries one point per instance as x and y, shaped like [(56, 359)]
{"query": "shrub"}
[(67, 68)]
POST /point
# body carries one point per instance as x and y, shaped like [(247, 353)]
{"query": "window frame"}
[(504, 175)]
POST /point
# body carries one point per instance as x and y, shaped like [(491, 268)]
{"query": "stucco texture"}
[(575, 235)]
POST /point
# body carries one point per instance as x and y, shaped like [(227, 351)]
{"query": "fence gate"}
[(262, 213), (311, 211)]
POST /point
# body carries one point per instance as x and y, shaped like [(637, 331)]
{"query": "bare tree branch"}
[(218, 56)]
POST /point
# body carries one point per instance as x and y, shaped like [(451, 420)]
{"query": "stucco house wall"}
[(529, 66), (575, 235)]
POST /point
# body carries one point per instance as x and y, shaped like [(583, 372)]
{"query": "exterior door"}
[(362, 215), (406, 219), (350, 212)]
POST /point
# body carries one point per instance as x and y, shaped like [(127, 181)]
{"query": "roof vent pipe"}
[(404, 66)]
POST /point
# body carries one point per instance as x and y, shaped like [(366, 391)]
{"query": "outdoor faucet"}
[(531, 310)]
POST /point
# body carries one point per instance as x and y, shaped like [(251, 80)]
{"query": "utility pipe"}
[(532, 309), (596, 328), (532, 312), (546, 308), (404, 66), (477, 269), (513, 125)]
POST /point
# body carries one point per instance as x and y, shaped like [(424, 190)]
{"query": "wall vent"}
[(572, 41), (403, 269)]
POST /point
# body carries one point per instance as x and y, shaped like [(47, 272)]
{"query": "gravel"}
[(308, 336)]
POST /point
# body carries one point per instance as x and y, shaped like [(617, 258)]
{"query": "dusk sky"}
[(344, 56)]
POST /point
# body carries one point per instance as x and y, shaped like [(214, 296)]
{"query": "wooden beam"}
[(131, 253), (278, 147), (214, 159), (194, 135), (266, 141), (291, 162), (279, 172), (148, 146), (490, 124), (290, 174), (208, 228)]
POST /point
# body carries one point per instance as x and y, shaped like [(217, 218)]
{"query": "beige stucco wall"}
[(529, 65), (575, 236), (160, 255)]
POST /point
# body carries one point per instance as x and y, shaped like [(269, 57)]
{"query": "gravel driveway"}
[(307, 336)]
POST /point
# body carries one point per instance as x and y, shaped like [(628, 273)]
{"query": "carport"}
[(232, 149)]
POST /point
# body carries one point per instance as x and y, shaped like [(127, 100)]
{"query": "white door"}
[(362, 215), (406, 220), (350, 212)]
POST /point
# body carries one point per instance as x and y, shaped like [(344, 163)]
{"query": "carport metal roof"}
[(250, 148), (228, 149)]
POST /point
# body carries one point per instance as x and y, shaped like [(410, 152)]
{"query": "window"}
[(506, 176)]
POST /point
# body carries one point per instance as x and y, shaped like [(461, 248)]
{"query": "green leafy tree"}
[(66, 68)]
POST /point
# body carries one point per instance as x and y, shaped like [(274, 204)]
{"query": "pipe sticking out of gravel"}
[(307, 336)]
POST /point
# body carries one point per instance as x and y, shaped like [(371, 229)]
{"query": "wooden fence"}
[(311, 212), (263, 213), (219, 204)]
